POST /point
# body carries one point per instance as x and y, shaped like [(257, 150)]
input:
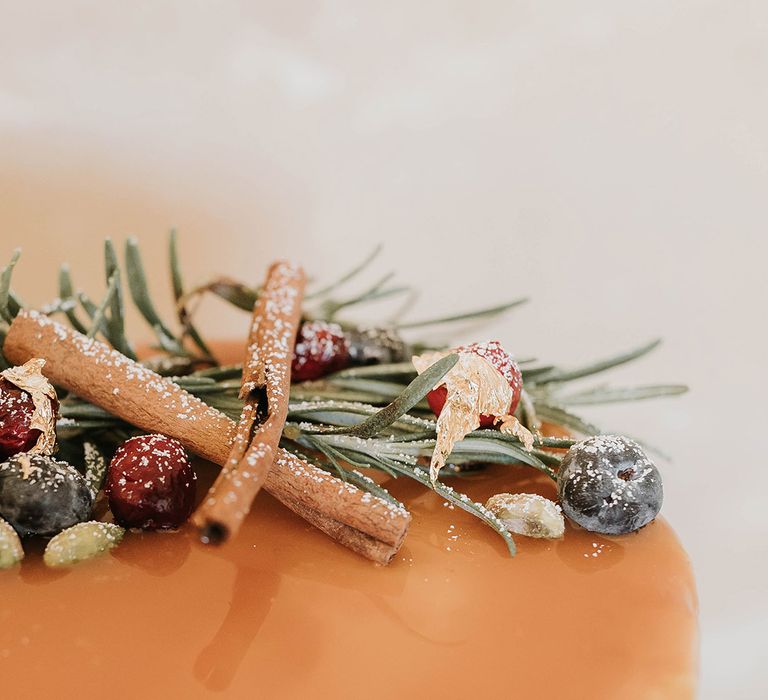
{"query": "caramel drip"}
[(451, 616)]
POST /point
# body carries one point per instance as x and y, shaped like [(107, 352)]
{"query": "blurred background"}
[(607, 159)]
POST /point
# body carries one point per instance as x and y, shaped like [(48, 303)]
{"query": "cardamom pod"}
[(528, 514), (11, 551), (82, 541)]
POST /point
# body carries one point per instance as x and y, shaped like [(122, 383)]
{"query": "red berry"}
[(502, 361), (16, 410), (321, 348), (150, 483)]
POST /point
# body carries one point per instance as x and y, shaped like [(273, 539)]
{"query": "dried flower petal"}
[(475, 388), (29, 377), (528, 514)]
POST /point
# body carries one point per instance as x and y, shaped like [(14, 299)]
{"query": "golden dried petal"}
[(475, 388), (29, 377), (512, 426), (528, 514)]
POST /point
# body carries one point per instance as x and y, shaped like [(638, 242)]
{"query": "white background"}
[(607, 158)]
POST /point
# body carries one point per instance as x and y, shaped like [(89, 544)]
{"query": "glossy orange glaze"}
[(282, 611)]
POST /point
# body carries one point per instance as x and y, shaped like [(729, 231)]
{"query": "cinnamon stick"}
[(92, 370), (266, 377)]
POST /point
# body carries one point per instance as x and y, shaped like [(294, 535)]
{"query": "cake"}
[(283, 610)]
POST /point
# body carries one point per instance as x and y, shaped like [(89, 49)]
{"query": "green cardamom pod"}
[(528, 514), (11, 551), (82, 541)]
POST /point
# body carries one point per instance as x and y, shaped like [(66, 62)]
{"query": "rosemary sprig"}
[(352, 476), (347, 276), (409, 397), (184, 316), (604, 394), (235, 293), (116, 320), (5, 286), (68, 299), (95, 467), (98, 316), (330, 308), (558, 375), (490, 312), (137, 284)]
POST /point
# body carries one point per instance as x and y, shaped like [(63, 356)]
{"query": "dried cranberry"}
[(502, 361), (150, 483), (16, 410), (321, 348)]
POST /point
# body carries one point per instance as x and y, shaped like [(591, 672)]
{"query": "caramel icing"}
[(283, 611)]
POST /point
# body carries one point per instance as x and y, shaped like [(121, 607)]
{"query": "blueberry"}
[(607, 484), (42, 496)]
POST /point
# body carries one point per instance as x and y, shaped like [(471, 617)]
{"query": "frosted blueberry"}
[(42, 496), (607, 484)]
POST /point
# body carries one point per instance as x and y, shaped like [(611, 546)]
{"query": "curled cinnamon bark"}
[(265, 389), (126, 389)]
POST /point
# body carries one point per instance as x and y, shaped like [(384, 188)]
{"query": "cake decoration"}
[(608, 484), (481, 390), (28, 407), (150, 483), (82, 541), (40, 495), (321, 348), (265, 386), (528, 514), (354, 402), (11, 550)]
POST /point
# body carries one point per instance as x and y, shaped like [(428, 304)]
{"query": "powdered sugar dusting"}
[(311, 474), (46, 473), (175, 400), (597, 457), (321, 348)]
